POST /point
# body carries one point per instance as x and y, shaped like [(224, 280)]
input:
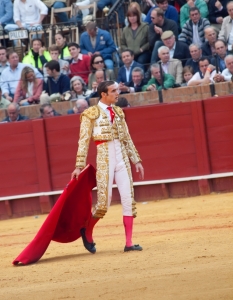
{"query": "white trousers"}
[(113, 163)]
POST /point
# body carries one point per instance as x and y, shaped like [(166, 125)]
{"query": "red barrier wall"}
[(174, 140)]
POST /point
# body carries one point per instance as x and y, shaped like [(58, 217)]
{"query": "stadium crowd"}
[(163, 44)]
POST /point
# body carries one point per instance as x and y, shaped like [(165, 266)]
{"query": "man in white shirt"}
[(28, 14), (228, 72), (205, 75)]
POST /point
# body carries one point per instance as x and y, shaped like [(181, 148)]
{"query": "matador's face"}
[(112, 96)]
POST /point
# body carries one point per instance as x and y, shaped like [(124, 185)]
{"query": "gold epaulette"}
[(92, 112), (119, 111)]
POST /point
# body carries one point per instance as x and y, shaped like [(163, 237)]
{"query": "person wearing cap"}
[(158, 26), (170, 65), (193, 29), (158, 81), (177, 49), (80, 63), (105, 124)]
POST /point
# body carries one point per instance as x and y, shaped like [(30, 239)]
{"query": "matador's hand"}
[(139, 168), (76, 173)]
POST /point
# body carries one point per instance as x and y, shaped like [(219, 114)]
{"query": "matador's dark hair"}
[(103, 87)]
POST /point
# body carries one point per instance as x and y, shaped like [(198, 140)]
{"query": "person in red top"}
[(80, 63)]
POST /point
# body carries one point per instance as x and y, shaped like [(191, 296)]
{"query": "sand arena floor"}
[(187, 255)]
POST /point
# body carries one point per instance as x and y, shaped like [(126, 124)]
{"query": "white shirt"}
[(226, 74), (104, 107), (29, 11), (127, 71), (165, 67), (30, 89), (196, 37), (197, 76), (171, 51)]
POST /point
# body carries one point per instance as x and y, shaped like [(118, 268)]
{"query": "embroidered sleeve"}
[(84, 141)]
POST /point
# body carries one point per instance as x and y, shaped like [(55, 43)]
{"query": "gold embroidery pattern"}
[(84, 141), (102, 178)]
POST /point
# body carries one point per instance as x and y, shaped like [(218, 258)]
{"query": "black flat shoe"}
[(89, 246), (133, 248)]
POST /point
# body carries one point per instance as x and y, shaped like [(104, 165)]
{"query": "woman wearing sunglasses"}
[(97, 63)]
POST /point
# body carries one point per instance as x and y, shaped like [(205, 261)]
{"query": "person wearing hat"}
[(177, 49)]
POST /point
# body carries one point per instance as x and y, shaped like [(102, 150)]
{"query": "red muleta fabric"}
[(70, 213)]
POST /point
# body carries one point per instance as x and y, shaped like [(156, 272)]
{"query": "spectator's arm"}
[(151, 36), (150, 82), (206, 23), (203, 9), (43, 60), (4, 85), (37, 73), (221, 35), (17, 93), (183, 35), (43, 9), (227, 75), (46, 86), (9, 12), (16, 14), (169, 82), (82, 47), (183, 18)]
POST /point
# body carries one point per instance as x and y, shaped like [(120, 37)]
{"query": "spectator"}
[(158, 26), (122, 102), (221, 53), (47, 111), (57, 83), (185, 10), (3, 102), (208, 48), (28, 15), (137, 6), (196, 55), (60, 41), (11, 75), (98, 41), (80, 63), (135, 36), (79, 107), (158, 79), (97, 63), (193, 29), (228, 72), (170, 66), (33, 57), (177, 49), (13, 114), (6, 14), (187, 75), (205, 75), (125, 72), (78, 88), (170, 11), (62, 16), (136, 84), (54, 53), (100, 77), (217, 11), (226, 32), (3, 60), (29, 88)]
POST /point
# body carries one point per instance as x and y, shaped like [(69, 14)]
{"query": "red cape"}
[(70, 213)]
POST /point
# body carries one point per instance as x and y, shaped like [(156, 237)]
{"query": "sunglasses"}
[(98, 62)]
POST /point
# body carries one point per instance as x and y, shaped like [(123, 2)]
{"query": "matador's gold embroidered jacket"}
[(96, 125)]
